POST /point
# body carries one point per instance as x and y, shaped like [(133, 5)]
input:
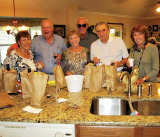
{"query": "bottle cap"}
[(48, 96), (8, 67), (35, 73), (29, 70)]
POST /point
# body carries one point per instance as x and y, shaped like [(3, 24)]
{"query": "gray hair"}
[(101, 23), (82, 18)]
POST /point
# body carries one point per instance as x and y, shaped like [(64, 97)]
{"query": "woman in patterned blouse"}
[(75, 57), (21, 58)]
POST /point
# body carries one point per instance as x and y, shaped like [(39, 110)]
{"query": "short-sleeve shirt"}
[(115, 49), (44, 52)]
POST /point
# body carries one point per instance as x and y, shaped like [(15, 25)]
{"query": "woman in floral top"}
[(75, 57), (21, 58)]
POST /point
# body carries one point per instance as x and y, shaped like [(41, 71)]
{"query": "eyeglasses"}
[(83, 25)]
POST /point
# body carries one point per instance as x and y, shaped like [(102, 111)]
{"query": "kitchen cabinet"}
[(104, 131), (151, 132), (116, 131)]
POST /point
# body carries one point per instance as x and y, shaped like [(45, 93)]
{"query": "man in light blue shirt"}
[(46, 45)]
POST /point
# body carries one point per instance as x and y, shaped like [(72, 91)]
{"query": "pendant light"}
[(13, 30)]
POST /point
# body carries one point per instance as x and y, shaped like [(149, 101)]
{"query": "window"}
[(116, 29), (35, 31), (3, 51), (6, 40)]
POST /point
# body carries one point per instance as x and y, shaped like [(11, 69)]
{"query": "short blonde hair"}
[(71, 32)]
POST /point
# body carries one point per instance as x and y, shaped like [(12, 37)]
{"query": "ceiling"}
[(128, 8)]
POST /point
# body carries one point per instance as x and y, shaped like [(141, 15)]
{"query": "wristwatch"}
[(144, 79)]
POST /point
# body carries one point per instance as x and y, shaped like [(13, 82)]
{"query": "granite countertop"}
[(76, 110)]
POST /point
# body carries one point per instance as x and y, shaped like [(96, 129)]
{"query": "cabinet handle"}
[(68, 134)]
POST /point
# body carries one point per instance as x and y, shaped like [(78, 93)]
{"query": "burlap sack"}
[(26, 83), (87, 75), (96, 79), (10, 80), (39, 82), (111, 77), (59, 77), (104, 84)]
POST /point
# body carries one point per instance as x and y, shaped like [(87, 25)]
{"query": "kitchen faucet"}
[(129, 81)]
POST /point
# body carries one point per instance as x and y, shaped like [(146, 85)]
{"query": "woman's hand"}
[(40, 65), (96, 60), (139, 81)]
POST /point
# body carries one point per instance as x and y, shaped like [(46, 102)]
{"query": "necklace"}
[(139, 50), (76, 50), (23, 53)]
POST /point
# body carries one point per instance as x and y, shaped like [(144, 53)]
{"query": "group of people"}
[(82, 48)]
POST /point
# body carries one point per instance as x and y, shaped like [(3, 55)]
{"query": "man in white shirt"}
[(108, 49)]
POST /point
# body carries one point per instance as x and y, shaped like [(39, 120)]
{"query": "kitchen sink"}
[(109, 106), (147, 107), (119, 106)]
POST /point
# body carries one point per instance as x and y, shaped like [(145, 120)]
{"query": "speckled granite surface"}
[(76, 110)]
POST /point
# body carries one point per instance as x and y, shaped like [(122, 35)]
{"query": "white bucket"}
[(74, 82)]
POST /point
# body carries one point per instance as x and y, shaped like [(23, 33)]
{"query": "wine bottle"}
[(8, 67)]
